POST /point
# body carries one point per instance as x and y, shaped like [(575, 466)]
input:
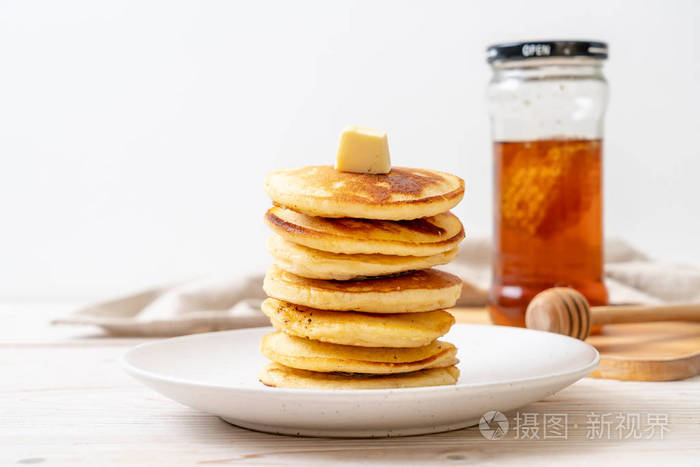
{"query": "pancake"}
[(280, 376), (417, 237), (305, 354), (361, 329), (317, 264), (401, 194), (413, 291)]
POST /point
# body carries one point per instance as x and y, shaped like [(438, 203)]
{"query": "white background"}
[(134, 136)]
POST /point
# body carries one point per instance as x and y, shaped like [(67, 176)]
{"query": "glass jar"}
[(546, 101)]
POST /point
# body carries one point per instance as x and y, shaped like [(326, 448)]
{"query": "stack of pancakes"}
[(351, 291)]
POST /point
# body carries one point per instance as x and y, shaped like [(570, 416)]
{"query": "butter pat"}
[(363, 150)]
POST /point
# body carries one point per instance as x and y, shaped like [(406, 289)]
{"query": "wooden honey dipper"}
[(565, 311)]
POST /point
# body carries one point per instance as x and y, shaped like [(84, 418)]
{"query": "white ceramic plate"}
[(502, 369)]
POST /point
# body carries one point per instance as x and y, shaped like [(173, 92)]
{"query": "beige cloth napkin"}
[(216, 303)]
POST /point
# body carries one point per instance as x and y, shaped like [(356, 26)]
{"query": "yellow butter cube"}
[(363, 150)]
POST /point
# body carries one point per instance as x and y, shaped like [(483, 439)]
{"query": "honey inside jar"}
[(548, 223)]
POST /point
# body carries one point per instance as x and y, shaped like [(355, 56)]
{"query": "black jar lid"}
[(545, 49)]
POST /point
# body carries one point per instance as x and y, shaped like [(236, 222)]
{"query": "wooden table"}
[(64, 400)]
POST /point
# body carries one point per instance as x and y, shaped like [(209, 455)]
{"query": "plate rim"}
[(139, 373)]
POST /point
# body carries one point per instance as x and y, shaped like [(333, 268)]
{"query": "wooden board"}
[(663, 351)]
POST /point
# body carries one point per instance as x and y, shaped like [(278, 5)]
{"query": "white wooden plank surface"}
[(65, 401)]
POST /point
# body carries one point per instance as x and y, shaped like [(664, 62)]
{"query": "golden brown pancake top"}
[(350, 226), (277, 375), (401, 185), (424, 279), (427, 228), (284, 344), (424, 236), (272, 305)]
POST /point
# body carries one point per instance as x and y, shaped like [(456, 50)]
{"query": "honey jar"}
[(547, 102)]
